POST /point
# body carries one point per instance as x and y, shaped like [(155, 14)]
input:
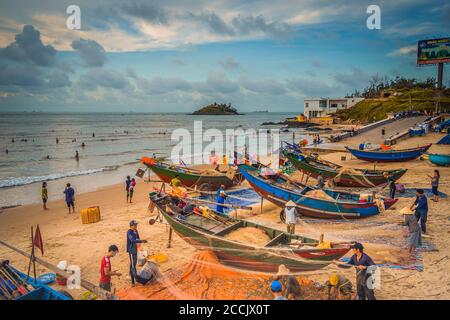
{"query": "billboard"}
[(433, 51)]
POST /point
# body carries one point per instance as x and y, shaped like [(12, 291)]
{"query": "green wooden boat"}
[(296, 252), (191, 177)]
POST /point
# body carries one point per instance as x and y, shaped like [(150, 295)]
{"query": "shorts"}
[(44, 201), (435, 191), (70, 204), (105, 286)]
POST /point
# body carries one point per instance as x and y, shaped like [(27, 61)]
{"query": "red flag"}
[(38, 243)]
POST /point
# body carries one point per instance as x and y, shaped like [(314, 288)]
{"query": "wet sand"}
[(65, 238)]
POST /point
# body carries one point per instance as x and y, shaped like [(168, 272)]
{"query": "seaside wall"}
[(367, 128), (405, 134)]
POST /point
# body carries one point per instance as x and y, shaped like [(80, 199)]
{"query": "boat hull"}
[(242, 256), (389, 156), (344, 180), (313, 207), (189, 179), (439, 159)]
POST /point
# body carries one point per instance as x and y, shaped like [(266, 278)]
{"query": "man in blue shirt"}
[(70, 197), (132, 239), (421, 207), (362, 261), (221, 199)]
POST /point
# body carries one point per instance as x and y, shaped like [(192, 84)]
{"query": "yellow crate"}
[(90, 215)]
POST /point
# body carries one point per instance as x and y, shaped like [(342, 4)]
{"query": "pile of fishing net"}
[(206, 278), (211, 172), (249, 235), (319, 194)]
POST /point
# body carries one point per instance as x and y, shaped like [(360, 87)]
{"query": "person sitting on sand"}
[(70, 197), (133, 239), (132, 186), (414, 230), (292, 287), (320, 181), (276, 288), (435, 185), (106, 270), (340, 286), (420, 205), (44, 194), (290, 216)]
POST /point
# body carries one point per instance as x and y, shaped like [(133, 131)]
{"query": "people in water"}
[(77, 156), (44, 194)]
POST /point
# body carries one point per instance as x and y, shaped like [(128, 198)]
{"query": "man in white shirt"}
[(291, 216)]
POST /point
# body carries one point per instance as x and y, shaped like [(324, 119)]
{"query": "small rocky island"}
[(217, 109)]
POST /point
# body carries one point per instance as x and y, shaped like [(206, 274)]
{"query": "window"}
[(306, 104)]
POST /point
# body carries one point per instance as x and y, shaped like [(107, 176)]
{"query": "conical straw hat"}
[(406, 210), (290, 203)]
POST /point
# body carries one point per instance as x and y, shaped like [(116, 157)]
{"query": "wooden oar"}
[(19, 287), (15, 292), (4, 290), (18, 277)]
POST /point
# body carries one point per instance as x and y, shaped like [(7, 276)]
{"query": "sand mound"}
[(206, 278), (249, 235)]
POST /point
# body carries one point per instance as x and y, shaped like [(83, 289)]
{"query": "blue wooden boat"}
[(337, 205), (444, 140), (390, 155), (15, 283), (439, 159)]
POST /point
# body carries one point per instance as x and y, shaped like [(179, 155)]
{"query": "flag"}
[(38, 243)]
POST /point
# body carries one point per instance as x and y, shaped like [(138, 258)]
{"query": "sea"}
[(114, 143)]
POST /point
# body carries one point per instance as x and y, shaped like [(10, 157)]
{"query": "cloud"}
[(310, 88), (267, 86), (96, 78), (404, 51), (353, 79), (229, 64), (146, 11), (29, 47), (251, 24), (316, 63), (90, 51), (213, 22)]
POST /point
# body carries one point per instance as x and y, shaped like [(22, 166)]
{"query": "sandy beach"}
[(65, 238)]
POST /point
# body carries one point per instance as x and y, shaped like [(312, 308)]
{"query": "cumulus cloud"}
[(353, 79), (29, 47), (213, 22), (90, 51), (96, 78), (251, 24), (267, 86), (404, 51), (146, 11)]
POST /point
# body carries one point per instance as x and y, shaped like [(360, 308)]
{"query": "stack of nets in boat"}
[(355, 174), (211, 172), (204, 277), (319, 194), (249, 235)]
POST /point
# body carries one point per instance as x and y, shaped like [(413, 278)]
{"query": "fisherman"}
[(414, 230), (362, 261), (320, 181), (292, 287), (105, 268), (276, 287), (44, 194), (222, 188), (392, 186), (340, 285), (133, 239), (175, 182), (421, 208), (148, 273), (221, 200), (383, 131), (290, 216), (435, 185), (70, 197), (127, 187), (131, 189)]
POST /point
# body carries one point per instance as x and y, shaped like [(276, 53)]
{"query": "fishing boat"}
[(14, 285), (439, 159), (189, 177), (341, 176), (389, 155), (332, 204), (209, 232)]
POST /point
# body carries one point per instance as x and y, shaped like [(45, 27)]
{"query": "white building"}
[(319, 107)]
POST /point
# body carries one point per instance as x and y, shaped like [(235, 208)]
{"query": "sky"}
[(179, 55)]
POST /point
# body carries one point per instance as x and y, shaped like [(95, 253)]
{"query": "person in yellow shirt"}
[(341, 286), (44, 195), (175, 182)]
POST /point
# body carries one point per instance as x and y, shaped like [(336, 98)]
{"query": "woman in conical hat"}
[(291, 216), (415, 232)]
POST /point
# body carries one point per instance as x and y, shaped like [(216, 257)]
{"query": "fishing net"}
[(319, 194), (355, 174), (204, 277), (250, 235), (211, 172)]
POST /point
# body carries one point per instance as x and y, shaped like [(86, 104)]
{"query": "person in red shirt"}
[(105, 268)]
